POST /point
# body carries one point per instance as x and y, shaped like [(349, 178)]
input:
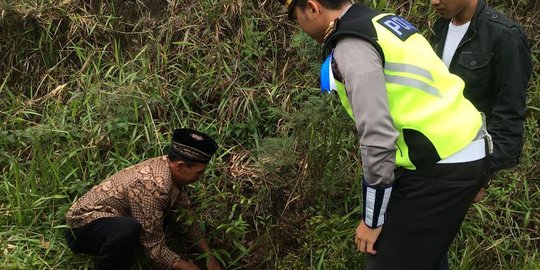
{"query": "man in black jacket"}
[(490, 53)]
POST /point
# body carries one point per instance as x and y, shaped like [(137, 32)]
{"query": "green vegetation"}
[(88, 87)]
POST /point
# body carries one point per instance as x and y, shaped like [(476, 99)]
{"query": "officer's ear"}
[(313, 8)]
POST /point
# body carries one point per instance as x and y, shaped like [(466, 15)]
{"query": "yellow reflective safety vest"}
[(426, 102)]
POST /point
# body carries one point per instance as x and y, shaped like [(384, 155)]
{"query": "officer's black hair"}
[(329, 4)]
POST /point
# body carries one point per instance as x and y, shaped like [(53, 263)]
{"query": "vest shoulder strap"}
[(356, 22)]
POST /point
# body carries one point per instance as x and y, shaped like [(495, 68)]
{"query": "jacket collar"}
[(480, 6)]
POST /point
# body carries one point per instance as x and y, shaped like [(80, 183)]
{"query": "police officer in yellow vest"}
[(423, 145)]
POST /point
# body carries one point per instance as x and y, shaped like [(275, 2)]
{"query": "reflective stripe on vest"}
[(408, 81)]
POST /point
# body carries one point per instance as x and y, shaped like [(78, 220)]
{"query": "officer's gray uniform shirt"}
[(361, 69)]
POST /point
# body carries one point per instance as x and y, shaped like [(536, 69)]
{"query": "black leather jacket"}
[(494, 60)]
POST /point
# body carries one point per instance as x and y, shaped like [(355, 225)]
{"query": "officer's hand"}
[(366, 238), (480, 195), (213, 264), (185, 265)]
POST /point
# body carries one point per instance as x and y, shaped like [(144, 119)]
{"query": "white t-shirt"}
[(453, 38)]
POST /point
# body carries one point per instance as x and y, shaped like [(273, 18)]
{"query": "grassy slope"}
[(88, 87)]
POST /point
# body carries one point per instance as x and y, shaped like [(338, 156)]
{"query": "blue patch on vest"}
[(399, 26)]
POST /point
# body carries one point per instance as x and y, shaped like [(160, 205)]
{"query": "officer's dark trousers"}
[(111, 240), (424, 214)]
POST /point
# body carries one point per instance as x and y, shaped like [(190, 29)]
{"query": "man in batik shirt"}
[(129, 208)]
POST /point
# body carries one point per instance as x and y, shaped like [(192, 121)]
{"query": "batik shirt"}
[(145, 192)]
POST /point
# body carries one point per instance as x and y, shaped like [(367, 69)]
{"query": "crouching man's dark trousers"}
[(112, 241)]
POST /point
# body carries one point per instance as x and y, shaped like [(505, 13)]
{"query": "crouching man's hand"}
[(213, 264), (184, 265), (366, 238)]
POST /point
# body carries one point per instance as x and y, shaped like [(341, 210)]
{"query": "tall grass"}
[(88, 87)]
